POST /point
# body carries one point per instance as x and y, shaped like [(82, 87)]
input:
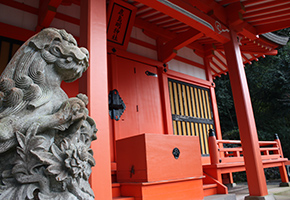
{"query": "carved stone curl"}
[(45, 136)]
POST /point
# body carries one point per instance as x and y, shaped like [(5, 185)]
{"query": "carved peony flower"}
[(73, 159), (77, 162)]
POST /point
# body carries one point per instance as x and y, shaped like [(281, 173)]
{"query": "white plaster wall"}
[(15, 17), (138, 34), (69, 27), (72, 10), (188, 53), (33, 3), (173, 64), (142, 51), (184, 68), (29, 21)]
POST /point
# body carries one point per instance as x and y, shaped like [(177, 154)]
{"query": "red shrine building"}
[(151, 90)]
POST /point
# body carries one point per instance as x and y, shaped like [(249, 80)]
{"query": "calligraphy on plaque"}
[(120, 22)]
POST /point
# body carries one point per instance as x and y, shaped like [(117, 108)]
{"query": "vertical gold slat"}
[(197, 103), (188, 128), (204, 105), (205, 139), (189, 101), (193, 101), (185, 100), (176, 99), (171, 97), (192, 128), (179, 128), (174, 128), (201, 138), (184, 128), (180, 99), (208, 105), (201, 104)]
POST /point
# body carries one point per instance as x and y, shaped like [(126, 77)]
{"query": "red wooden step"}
[(116, 190), (123, 198), (209, 189)]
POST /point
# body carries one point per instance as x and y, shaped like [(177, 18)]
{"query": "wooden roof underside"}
[(251, 18), (201, 25)]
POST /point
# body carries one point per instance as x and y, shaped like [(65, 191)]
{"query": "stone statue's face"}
[(71, 61)]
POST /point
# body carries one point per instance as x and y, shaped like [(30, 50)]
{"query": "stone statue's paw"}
[(72, 110)]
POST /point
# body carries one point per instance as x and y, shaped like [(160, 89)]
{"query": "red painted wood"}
[(141, 95), (166, 108), (94, 12), (223, 37), (147, 151), (213, 99), (245, 117), (182, 189), (71, 89), (13, 32), (273, 27)]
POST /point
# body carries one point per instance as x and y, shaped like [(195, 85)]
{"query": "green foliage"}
[(269, 86)]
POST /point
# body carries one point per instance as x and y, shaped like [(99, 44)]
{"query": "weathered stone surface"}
[(45, 136)]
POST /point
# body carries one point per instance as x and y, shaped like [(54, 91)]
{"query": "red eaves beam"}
[(169, 50), (35, 11), (15, 33), (273, 27), (47, 12), (186, 14)]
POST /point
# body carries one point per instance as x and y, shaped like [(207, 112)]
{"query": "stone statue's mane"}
[(24, 82)]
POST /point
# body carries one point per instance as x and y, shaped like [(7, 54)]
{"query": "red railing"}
[(230, 151)]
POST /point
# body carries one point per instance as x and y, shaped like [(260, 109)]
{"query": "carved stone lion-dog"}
[(45, 136)]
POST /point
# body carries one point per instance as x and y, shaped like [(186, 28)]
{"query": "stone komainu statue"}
[(45, 136)]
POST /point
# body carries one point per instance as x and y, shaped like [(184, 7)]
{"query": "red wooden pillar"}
[(247, 127), (93, 35), (213, 99)]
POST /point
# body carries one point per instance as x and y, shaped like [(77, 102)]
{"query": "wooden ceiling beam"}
[(142, 8), (35, 11), (169, 50), (210, 7), (270, 16), (249, 3), (218, 67), (145, 13), (152, 28), (273, 27), (182, 29), (152, 17), (162, 20), (191, 16), (235, 12), (246, 59), (225, 2), (169, 23), (273, 20), (270, 5), (47, 12), (272, 52), (220, 61), (258, 13), (175, 26)]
